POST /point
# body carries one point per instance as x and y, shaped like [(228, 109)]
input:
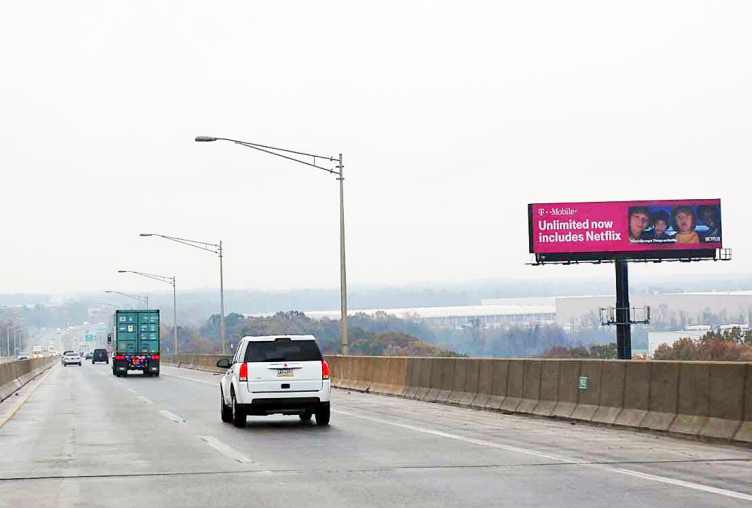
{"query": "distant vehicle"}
[(62, 357), (100, 355), (136, 342), (23, 356), (71, 358), (37, 352), (88, 356), (275, 375)]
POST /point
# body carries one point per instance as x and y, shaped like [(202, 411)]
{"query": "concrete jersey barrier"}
[(13, 375)]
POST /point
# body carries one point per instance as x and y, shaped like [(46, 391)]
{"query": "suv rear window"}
[(283, 351)]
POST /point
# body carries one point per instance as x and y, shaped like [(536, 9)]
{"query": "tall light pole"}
[(144, 299), (338, 171), (167, 280), (215, 249)]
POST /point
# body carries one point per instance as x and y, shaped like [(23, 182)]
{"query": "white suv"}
[(275, 375)]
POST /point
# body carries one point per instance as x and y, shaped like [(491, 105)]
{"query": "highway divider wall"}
[(702, 399), (13, 375)]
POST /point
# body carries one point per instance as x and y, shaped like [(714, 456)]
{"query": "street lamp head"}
[(122, 271), (145, 234), (205, 139), (109, 291)]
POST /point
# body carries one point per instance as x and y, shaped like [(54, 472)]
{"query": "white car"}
[(275, 375), (71, 358)]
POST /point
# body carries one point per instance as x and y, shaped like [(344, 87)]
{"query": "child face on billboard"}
[(638, 222), (684, 221)]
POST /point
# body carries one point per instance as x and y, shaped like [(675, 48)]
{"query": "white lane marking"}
[(192, 379), (629, 472), (171, 416), (144, 399), (132, 390), (225, 450)]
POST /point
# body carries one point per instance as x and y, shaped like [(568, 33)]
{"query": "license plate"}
[(284, 373)]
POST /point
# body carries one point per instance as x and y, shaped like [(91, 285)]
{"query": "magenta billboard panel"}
[(625, 226)]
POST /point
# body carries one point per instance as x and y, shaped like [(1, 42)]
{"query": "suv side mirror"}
[(224, 363)]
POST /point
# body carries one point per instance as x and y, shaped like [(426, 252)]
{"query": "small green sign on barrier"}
[(583, 382)]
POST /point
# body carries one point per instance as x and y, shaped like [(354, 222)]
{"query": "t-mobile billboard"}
[(625, 226)]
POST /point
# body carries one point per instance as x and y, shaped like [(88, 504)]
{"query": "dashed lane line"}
[(144, 399), (225, 449), (172, 416), (628, 472)]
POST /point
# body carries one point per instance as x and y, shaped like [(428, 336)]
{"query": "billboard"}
[(643, 228)]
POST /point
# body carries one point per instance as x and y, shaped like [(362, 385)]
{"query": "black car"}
[(100, 355)]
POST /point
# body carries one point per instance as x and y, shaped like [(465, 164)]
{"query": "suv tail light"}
[(243, 374), (324, 370), (155, 357)]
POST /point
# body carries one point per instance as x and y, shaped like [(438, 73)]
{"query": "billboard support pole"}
[(623, 325)]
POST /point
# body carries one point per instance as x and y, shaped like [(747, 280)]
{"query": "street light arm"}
[(160, 278), (135, 297), (268, 149), (191, 243)]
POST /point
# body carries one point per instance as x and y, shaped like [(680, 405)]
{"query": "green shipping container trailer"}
[(135, 342)]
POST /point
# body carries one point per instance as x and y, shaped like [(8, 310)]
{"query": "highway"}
[(85, 438)]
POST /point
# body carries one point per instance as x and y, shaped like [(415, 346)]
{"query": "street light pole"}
[(339, 173), (215, 249), (167, 280)]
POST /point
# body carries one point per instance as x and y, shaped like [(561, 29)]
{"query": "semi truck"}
[(135, 342)]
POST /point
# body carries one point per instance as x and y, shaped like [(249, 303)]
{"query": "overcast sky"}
[(451, 117)]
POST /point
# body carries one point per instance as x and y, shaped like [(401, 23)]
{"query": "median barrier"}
[(636, 395), (378, 381), (499, 380), (419, 373), (365, 366), (470, 390), (485, 383), (693, 399), (513, 387), (15, 374), (549, 388), (531, 383), (611, 399), (726, 400), (663, 395), (566, 393), (588, 390), (458, 381), (745, 431), (396, 375), (442, 371)]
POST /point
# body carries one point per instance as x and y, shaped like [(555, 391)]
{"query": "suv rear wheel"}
[(224, 410), (323, 413), (238, 414)]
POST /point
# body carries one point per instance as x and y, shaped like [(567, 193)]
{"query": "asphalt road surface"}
[(86, 438)]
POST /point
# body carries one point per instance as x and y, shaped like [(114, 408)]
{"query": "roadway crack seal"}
[(325, 471)]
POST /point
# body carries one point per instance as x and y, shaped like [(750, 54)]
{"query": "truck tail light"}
[(120, 357), (324, 370), (155, 357), (243, 374)]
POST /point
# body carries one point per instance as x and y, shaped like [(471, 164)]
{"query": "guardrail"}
[(703, 399), (13, 375)]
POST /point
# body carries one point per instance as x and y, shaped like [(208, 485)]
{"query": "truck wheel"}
[(238, 414), (306, 417), (155, 374), (224, 409)]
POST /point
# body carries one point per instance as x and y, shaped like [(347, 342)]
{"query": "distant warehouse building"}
[(490, 316)]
